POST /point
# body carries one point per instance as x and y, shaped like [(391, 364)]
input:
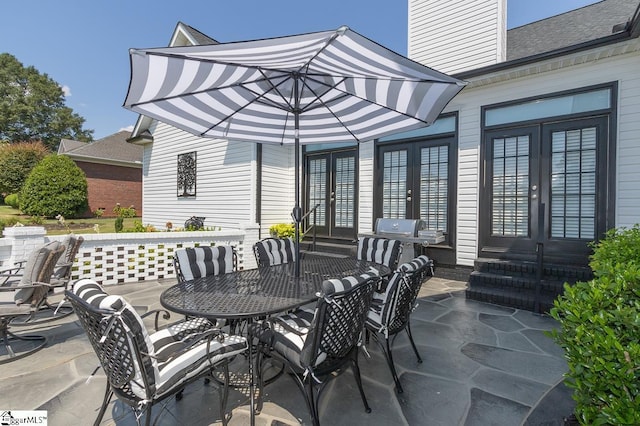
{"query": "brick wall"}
[(109, 184)]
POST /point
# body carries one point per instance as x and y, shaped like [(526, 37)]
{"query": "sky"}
[(84, 45)]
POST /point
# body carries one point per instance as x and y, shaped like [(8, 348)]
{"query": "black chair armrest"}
[(157, 312)]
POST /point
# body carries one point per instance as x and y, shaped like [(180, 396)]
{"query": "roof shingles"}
[(571, 28), (111, 148)]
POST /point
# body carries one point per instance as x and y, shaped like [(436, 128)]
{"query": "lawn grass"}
[(77, 226)]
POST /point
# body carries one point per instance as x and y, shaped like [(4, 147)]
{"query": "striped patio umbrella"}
[(322, 87)]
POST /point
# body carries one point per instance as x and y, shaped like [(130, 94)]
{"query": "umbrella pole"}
[(297, 211)]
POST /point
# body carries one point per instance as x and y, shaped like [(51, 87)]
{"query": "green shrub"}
[(139, 227), (36, 220), (55, 186), (16, 162), (124, 211), (282, 230), (600, 329), (119, 224), (12, 200)]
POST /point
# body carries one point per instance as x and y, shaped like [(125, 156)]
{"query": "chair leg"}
[(259, 376), (6, 337), (312, 402), (224, 394), (388, 356), (413, 344), (392, 367), (147, 415), (356, 373), (105, 402)]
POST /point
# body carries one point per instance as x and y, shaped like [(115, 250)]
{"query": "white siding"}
[(278, 186), (580, 71), (225, 188), (365, 188), (454, 36)]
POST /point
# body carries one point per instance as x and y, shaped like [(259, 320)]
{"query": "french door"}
[(331, 183), (546, 184), (417, 182)]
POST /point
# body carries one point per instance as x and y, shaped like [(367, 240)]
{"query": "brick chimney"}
[(457, 35)]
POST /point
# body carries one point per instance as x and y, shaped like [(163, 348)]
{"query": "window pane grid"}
[(394, 185), (434, 186), (573, 183), (345, 191), (510, 206), (318, 188)]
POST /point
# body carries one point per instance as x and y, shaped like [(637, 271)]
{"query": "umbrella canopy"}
[(322, 87)]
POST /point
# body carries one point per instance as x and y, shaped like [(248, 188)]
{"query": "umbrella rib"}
[(275, 88), (237, 110), (319, 99)]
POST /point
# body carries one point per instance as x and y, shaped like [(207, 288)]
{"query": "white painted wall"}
[(278, 186), (226, 180), (365, 187), (618, 63), (455, 36)]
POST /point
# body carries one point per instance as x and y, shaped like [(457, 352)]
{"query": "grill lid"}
[(399, 227)]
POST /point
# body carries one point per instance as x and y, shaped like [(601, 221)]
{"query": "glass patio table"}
[(255, 293)]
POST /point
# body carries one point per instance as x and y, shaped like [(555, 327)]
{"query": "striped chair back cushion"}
[(339, 285), (379, 250), (115, 358), (275, 251), (200, 262)]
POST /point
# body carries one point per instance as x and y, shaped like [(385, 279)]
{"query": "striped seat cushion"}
[(197, 262), (287, 333), (274, 251), (173, 370), (379, 250)]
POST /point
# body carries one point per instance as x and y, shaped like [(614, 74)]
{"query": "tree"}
[(32, 107), (16, 162), (55, 186)]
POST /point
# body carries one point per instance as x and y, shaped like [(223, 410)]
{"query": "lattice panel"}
[(115, 262)]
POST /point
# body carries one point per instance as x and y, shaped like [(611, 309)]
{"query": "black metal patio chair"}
[(316, 345), (390, 311), (144, 369)]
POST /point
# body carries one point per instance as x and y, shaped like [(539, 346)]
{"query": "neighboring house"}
[(538, 153), (113, 168)]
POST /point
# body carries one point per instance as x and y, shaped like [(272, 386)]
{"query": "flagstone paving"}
[(482, 365)]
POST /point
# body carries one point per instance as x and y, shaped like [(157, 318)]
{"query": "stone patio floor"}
[(482, 365)]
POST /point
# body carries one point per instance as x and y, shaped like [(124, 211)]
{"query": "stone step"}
[(555, 272), (511, 297), (519, 283)]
